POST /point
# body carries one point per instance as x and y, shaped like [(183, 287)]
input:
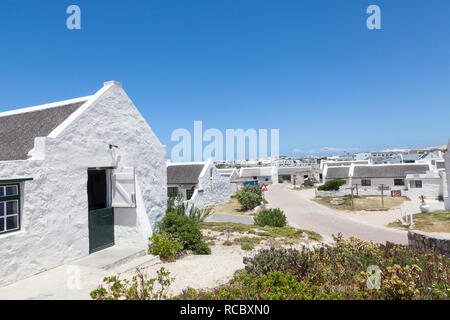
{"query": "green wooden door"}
[(101, 216), (101, 229)]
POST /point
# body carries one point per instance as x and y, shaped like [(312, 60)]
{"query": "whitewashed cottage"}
[(406, 179), (76, 177), (200, 183)]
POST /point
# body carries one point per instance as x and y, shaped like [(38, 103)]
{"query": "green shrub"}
[(247, 246), (198, 215), (249, 197), (175, 204), (183, 230), (273, 286), (342, 268), (138, 288), (162, 245), (271, 260), (270, 217), (201, 248), (332, 185)]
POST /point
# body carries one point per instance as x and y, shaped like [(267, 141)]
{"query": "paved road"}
[(222, 217), (307, 214)]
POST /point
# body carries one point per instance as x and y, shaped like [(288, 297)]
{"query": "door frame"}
[(108, 171)]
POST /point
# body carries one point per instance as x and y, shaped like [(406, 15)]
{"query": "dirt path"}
[(307, 214)]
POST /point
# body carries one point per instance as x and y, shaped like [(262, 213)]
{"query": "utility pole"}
[(357, 192), (382, 196)]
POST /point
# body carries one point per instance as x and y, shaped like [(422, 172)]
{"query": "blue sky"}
[(309, 68)]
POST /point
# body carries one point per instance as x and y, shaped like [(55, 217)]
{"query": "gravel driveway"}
[(307, 214)]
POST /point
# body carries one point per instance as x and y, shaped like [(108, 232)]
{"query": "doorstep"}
[(58, 283), (111, 257)]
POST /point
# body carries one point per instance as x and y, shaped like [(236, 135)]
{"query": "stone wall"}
[(430, 241)]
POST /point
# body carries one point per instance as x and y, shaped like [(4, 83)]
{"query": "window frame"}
[(190, 193), (174, 190), (6, 199), (416, 183)]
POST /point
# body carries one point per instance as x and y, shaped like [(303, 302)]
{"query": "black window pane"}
[(11, 223), (2, 224), (2, 209), (189, 194), (2, 191), (97, 192), (11, 191), (11, 207)]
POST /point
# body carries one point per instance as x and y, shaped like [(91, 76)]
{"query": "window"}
[(190, 193), (399, 182), (415, 183), (9, 208), (366, 182), (172, 192)]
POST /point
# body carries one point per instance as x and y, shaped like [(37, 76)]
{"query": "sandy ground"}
[(209, 271), (199, 272), (232, 207), (383, 218), (304, 213), (196, 271)]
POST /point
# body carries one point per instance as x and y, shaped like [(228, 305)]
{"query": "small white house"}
[(257, 175), (235, 181), (406, 179), (336, 172), (76, 176), (343, 163), (295, 175), (429, 184), (200, 183), (411, 179)]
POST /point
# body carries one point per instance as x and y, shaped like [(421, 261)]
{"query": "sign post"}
[(263, 189)]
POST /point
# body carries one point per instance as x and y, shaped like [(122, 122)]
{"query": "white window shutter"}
[(123, 188)]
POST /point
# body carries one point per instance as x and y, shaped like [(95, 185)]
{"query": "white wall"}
[(447, 169), (54, 228), (216, 188), (235, 186), (430, 188)]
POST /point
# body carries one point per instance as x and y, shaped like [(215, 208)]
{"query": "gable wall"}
[(55, 207), (216, 188)]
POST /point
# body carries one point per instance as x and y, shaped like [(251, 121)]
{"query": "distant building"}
[(412, 180), (342, 163), (235, 181), (336, 172), (256, 175), (447, 169), (361, 156), (200, 183), (295, 175)]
